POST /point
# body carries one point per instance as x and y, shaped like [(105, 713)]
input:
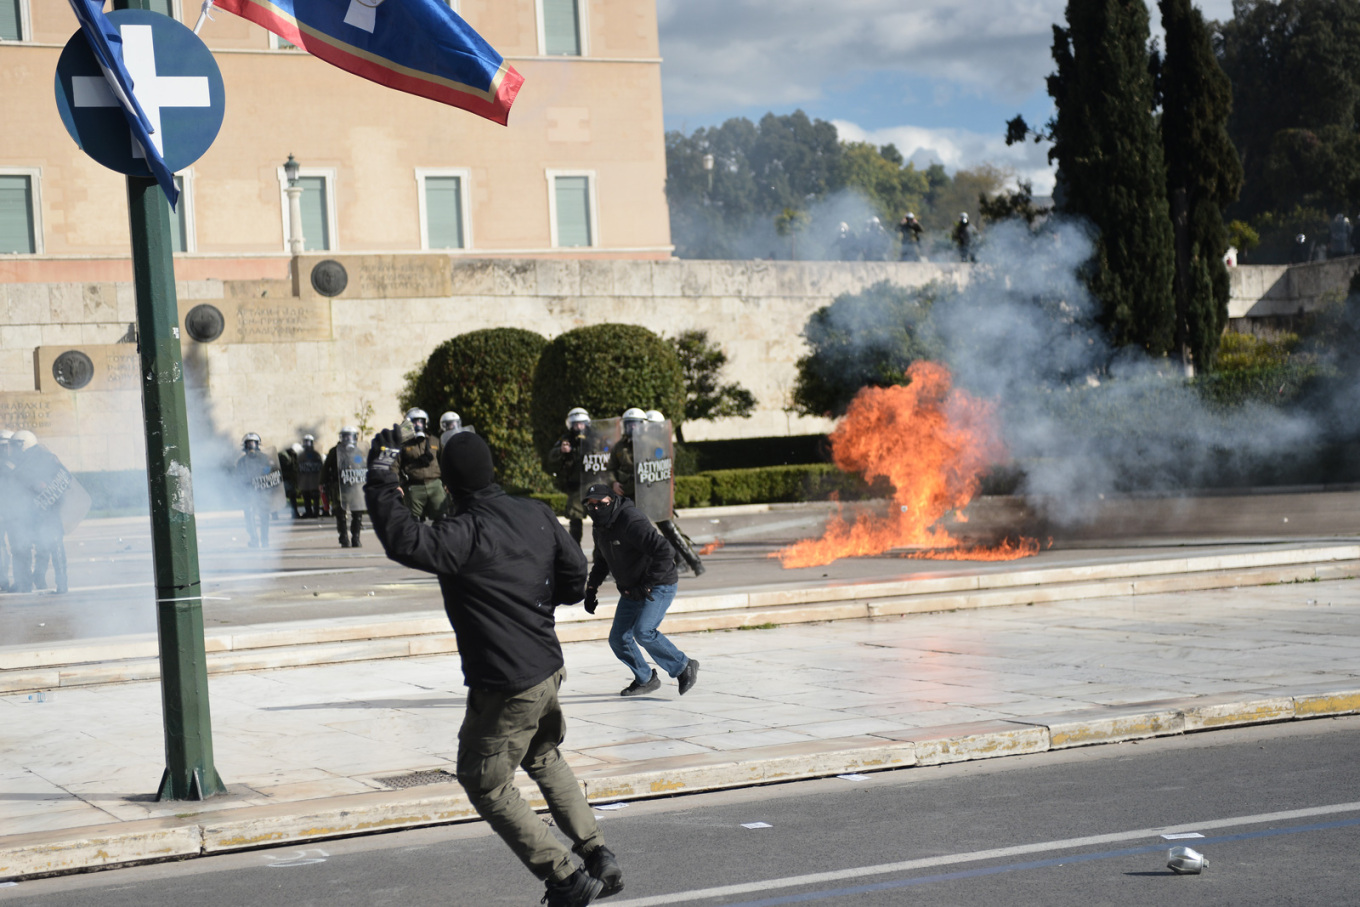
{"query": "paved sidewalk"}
[(310, 752)]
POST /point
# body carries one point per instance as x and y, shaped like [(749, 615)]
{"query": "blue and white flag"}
[(107, 45)]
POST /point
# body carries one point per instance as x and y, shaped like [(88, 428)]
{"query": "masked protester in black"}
[(504, 564), (628, 546)]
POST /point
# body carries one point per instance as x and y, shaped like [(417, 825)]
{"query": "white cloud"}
[(957, 148)]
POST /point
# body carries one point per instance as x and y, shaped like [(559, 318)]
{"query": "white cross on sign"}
[(153, 92)]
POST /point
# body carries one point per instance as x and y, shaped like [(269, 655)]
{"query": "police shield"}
[(260, 479), (53, 487), (601, 436), (351, 464), (655, 474), (309, 470)]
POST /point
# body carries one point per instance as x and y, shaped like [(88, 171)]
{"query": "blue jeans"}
[(635, 623)]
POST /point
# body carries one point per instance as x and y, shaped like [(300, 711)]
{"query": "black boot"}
[(603, 865), (576, 890)]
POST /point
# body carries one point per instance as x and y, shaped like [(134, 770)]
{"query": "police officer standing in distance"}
[(420, 469), (343, 477), (567, 458), (642, 563), (309, 465), (504, 564)]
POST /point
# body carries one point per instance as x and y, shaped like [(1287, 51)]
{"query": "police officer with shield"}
[(343, 476), (567, 458), (261, 487), (642, 466), (47, 493)]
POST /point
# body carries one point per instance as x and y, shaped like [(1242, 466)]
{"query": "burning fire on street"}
[(932, 442)]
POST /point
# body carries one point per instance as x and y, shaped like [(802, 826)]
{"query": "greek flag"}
[(107, 45), (417, 46)]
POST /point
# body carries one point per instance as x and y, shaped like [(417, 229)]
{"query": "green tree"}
[(487, 378), (1295, 72), (605, 368), (1111, 169), (860, 340), (1204, 176), (891, 187), (706, 397), (1006, 205)]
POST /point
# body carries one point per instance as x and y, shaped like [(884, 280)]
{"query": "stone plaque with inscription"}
[(91, 367), (266, 320), (384, 276), (43, 414)]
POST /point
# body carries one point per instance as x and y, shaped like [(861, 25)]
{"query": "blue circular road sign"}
[(175, 79)]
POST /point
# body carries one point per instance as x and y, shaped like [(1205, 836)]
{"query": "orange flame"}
[(711, 547), (931, 442)]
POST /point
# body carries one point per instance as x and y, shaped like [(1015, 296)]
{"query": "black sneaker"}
[(576, 890), (688, 676), (602, 864), (637, 689)]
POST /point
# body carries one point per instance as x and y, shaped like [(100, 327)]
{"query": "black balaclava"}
[(599, 511), (465, 464)]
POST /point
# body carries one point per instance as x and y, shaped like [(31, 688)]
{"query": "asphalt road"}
[(306, 575), (1278, 807)]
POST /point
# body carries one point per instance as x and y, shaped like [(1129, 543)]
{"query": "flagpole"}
[(190, 773)]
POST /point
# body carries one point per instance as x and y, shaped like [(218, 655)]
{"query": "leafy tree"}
[(487, 378), (1111, 169), (789, 224), (961, 193), (892, 187), (605, 368), (863, 339), (1294, 67), (1006, 205), (1204, 176), (706, 397)]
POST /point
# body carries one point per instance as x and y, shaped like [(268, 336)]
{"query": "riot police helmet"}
[(5, 435), (632, 417), (349, 433), (418, 419), (963, 218), (576, 416), (251, 441), (450, 421), (911, 215), (654, 415), (24, 439)]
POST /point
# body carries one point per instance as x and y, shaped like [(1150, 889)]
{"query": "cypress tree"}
[(1111, 169), (1204, 176)]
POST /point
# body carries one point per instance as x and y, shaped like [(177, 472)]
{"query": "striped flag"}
[(418, 46), (107, 44)]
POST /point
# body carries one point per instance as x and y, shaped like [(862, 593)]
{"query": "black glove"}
[(639, 594), (592, 600), (383, 453)]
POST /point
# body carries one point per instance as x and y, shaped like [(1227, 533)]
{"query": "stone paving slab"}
[(305, 751)]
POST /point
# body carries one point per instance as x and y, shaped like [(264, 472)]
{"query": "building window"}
[(318, 208), (443, 209), (182, 217), (277, 43), (20, 228), (164, 7), (571, 200), (561, 28), (13, 20)]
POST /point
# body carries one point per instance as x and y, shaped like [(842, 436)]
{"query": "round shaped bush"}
[(605, 368), (487, 378)]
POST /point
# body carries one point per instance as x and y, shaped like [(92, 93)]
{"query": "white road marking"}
[(841, 875)]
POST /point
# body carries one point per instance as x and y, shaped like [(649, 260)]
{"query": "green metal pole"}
[(189, 773), (189, 770)]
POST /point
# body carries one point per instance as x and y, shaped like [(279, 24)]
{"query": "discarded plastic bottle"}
[(40, 696), (1184, 861)]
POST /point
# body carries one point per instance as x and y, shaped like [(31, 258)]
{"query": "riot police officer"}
[(309, 463), (343, 477), (964, 236), (622, 465), (41, 481), (911, 231), (567, 458), (418, 467), (253, 472), (685, 555), (288, 467)]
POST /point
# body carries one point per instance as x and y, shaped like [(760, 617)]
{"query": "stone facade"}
[(290, 360)]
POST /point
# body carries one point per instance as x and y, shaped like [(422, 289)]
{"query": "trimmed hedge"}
[(556, 500), (605, 368), (486, 377), (693, 491), (783, 484)]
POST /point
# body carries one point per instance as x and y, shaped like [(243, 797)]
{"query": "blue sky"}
[(937, 78)]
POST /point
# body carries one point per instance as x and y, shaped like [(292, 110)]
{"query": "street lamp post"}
[(294, 192), (708, 168)]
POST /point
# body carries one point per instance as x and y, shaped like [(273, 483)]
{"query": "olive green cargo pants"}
[(503, 730), (426, 499)]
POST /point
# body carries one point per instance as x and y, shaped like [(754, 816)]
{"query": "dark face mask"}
[(599, 510)]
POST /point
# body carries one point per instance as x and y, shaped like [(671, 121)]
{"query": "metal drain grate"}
[(416, 779)]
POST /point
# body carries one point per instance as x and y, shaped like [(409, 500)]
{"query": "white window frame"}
[(186, 200), (582, 24), (275, 45), (592, 204), (464, 174), (177, 10), (329, 173), (34, 175), (25, 24)]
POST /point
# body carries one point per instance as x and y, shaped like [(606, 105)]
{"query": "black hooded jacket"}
[(628, 546), (504, 563)]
